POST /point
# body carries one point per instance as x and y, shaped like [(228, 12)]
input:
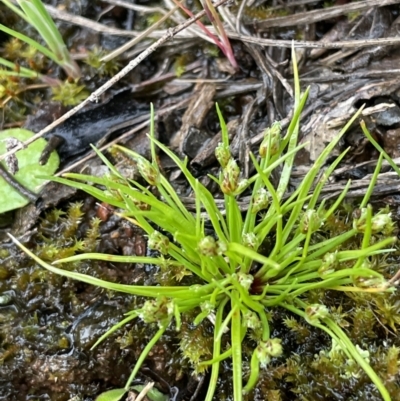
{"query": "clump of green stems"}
[(239, 284), (35, 14)]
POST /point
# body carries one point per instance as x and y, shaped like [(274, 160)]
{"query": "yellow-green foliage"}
[(70, 93), (100, 68)]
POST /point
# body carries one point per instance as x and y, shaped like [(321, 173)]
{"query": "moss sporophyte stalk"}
[(268, 258)]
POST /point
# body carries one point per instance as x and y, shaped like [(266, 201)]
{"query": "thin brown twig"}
[(177, 18), (88, 23), (314, 45), (146, 9), (310, 17), (25, 192), (143, 35), (97, 93), (104, 29), (354, 75), (135, 7), (238, 23)]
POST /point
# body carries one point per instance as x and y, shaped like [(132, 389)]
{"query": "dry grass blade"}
[(310, 17), (88, 23), (353, 44), (143, 393), (136, 40)]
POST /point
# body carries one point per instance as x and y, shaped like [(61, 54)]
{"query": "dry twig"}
[(309, 17), (353, 44)]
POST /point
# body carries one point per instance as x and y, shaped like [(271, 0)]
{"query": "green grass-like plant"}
[(35, 14), (238, 284)]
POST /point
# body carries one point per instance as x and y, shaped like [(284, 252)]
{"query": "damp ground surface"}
[(48, 324)]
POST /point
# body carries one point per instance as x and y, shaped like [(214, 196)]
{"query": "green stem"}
[(218, 358), (114, 328), (359, 359), (236, 327), (334, 331), (144, 354), (216, 352), (254, 373)]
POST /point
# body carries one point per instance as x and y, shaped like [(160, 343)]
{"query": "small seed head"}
[(230, 177), (370, 282), (315, 312), (272, 139), (156, 310), (208, 246), (267, 350), (260, 201), (251, 320), (243, 184), (329, 264), (360, 219), (148, 171), (115, 194), (383, 223), (245, 280), (141, 205), (310, 221), (207, 306), (250, 240), (380, 223), (222, 248), (158, 242), (223, 154)]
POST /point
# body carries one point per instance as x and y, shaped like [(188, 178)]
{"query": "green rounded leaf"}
[(153, 394), (112, 395), (29, 168)]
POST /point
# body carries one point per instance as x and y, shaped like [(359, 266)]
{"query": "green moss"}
[(261, 12), (301, 331), (195, 343), (4, 273), (100, 68), (69, 93)]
